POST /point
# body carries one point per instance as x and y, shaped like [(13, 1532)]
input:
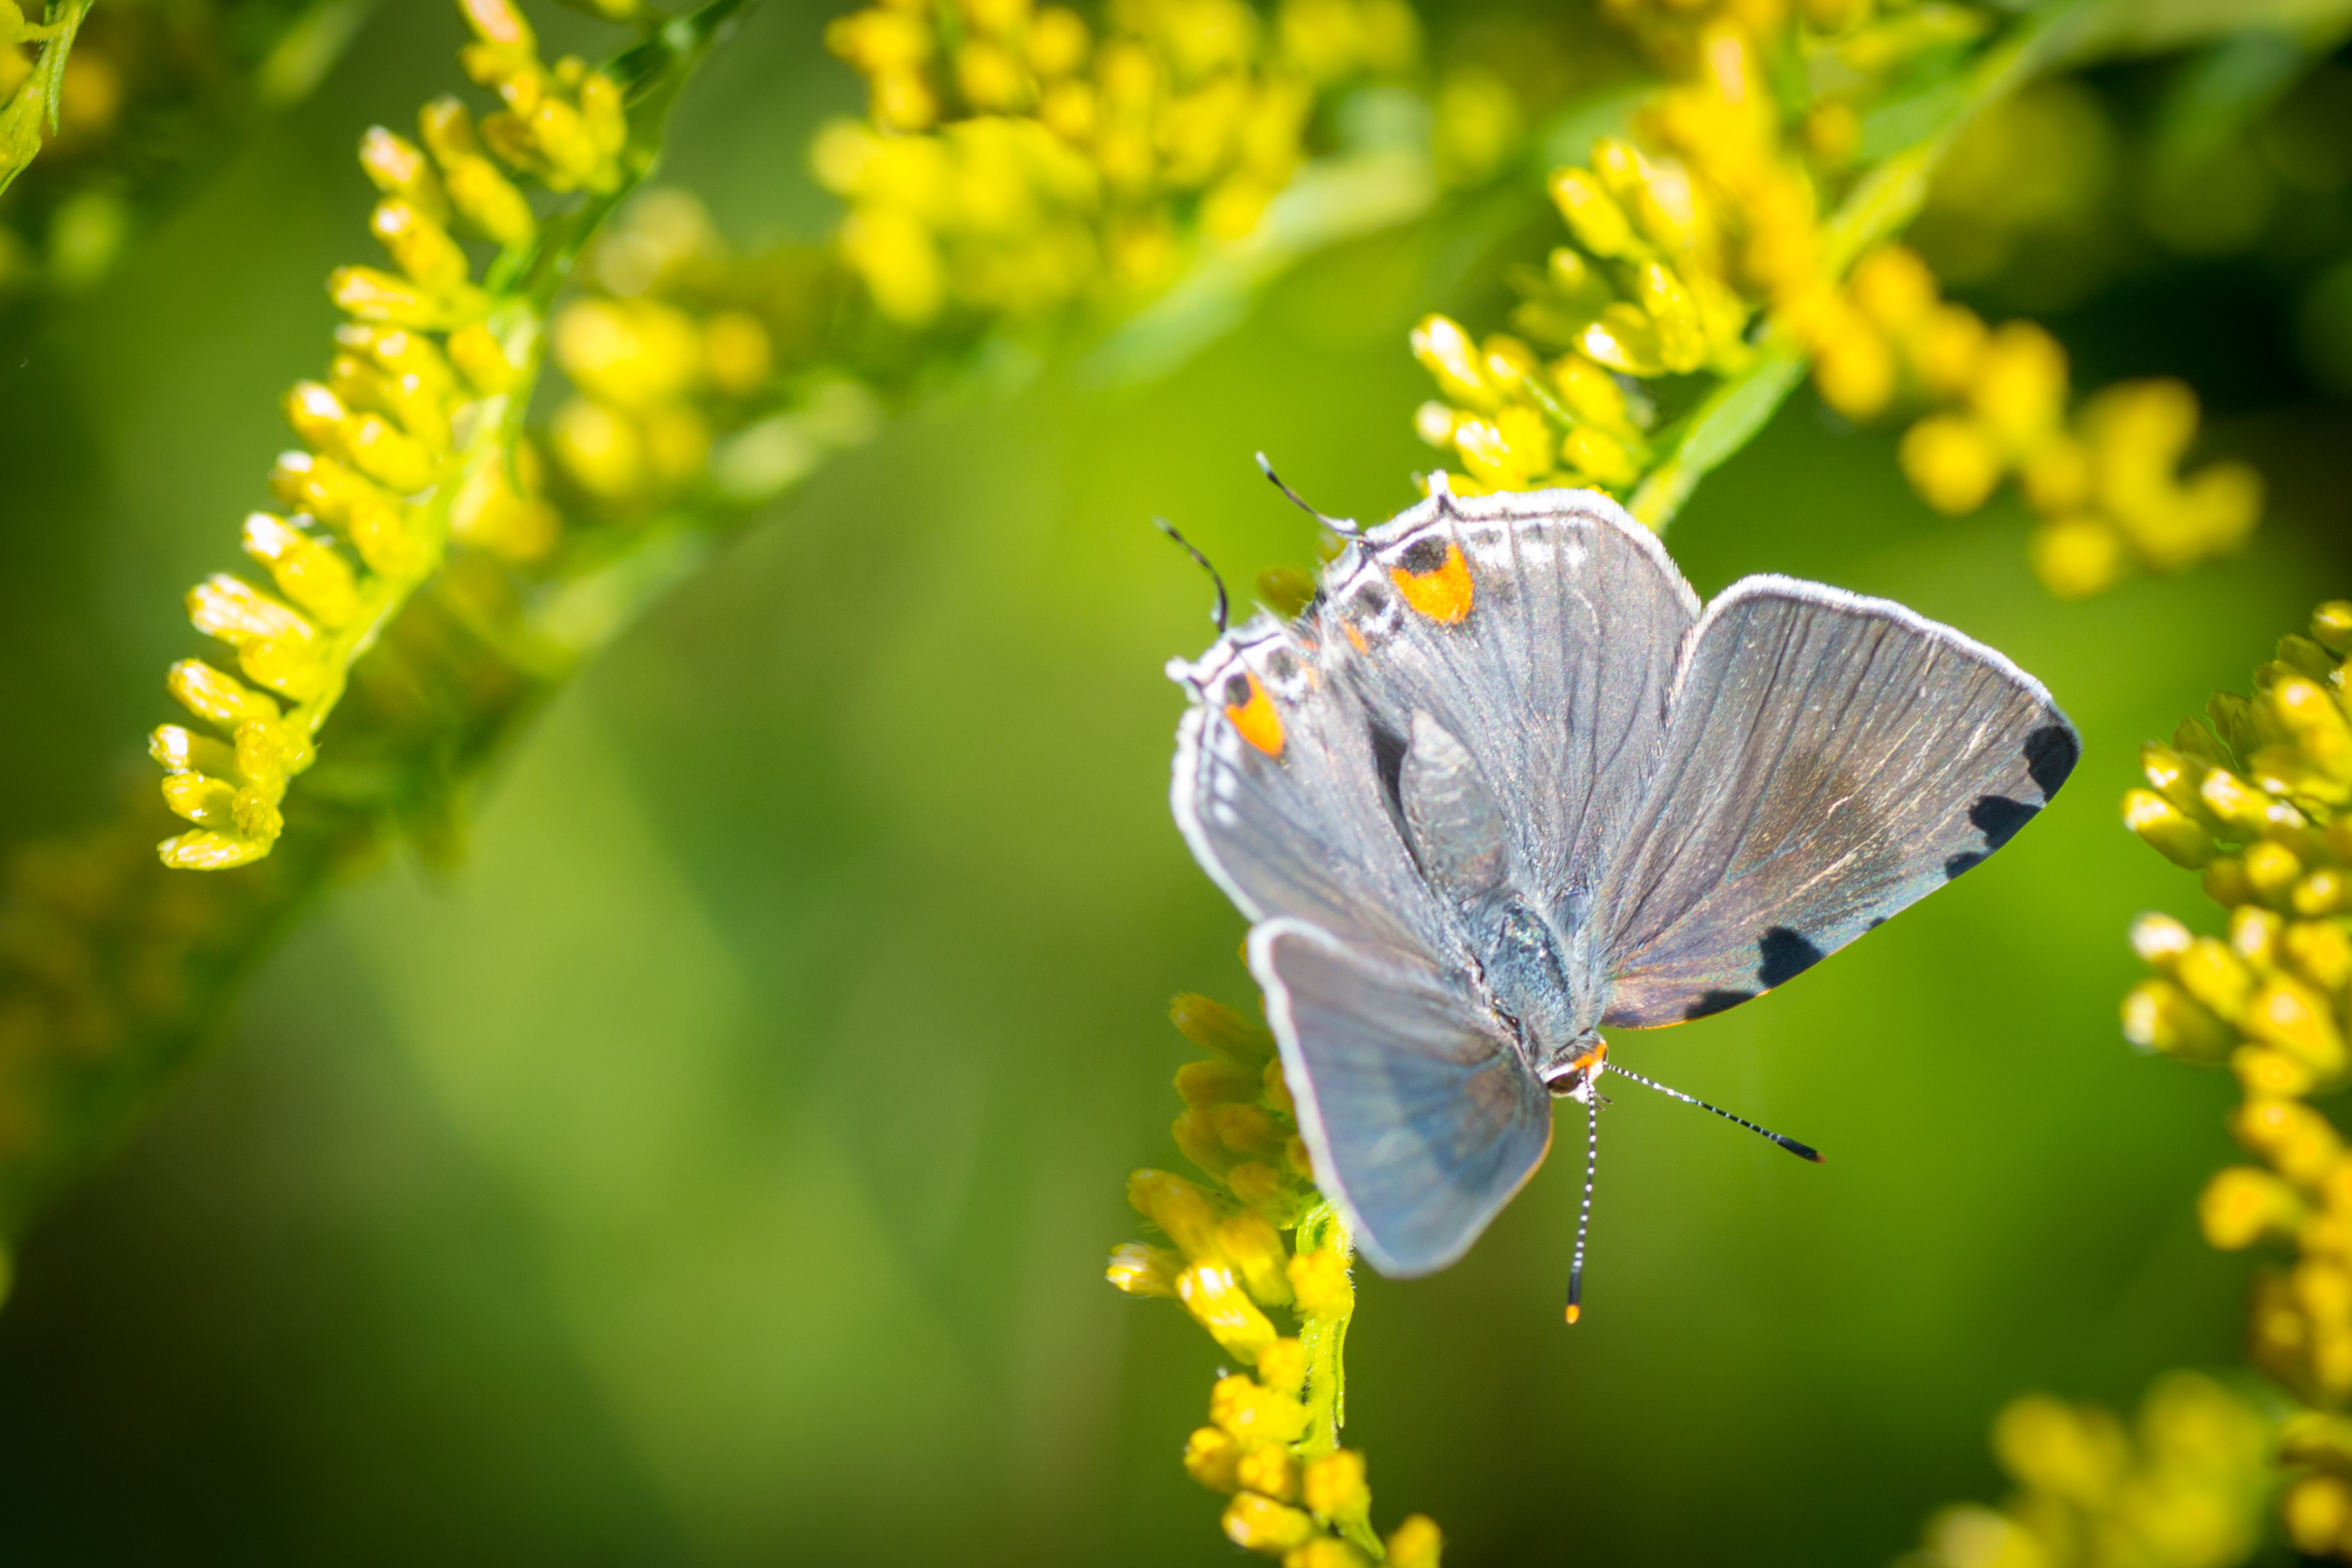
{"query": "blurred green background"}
[(718, 1167)]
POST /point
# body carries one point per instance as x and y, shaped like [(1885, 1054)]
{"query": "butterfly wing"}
[(1829, 760), (1540, 631), (1421, 1116), (1278, 793)]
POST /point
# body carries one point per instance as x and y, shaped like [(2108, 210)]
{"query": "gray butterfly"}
[(1506, 781)]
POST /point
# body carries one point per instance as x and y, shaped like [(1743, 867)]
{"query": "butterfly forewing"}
[(1829, 759), (1277, 791), (1540, 632)]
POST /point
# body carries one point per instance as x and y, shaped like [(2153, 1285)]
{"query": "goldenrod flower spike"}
[(1272, 1441), (2253, 796), (409, 442)]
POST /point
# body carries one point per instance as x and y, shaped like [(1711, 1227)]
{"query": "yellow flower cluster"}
[(2256, 801), (1676, 247), (1716, 215), (2184, 1491), (691, 367), (1272, 1441), (644, 370), (2106, 483), (1015, 165), (406, 446)]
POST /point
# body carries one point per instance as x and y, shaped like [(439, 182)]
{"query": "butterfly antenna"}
[(1801, 1151), (1584, 1214), (1345, 526), (1223, 615)]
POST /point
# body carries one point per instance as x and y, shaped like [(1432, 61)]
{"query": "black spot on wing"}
[(1237, 692), (1280, 664), (1997, 818), (2051, 753), (1713, 1002), (1784, 954), (1423, 555), (1368, 601)]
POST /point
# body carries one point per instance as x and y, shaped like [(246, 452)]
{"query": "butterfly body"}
[(1507, 782)]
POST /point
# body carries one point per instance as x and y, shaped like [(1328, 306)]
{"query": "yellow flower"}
[(1271, 1440)]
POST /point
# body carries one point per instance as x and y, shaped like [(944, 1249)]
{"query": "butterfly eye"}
[(1253, 715), (1434, 582)]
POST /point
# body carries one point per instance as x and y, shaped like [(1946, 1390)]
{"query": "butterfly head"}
[(1574, 1072)]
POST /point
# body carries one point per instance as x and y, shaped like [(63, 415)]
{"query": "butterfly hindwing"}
[(1829, 759), (1421, 1115)]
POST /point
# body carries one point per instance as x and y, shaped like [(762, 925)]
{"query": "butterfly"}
[(1506, 781)]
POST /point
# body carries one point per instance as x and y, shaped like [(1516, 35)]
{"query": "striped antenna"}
[(1803, 1150), (1584, 1216)]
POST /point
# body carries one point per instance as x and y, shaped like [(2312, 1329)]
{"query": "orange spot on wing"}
[(1444, 594), (1259, 724), (1355, 637)]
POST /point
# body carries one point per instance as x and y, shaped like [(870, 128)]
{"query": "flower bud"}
[(1416, 1543), (1319, 1281), (182, 751), (2157, 1016), (1140, 1270), (2242, 1205), (2167, 829), (1950, 461), (1261, 1524), (1211, 1459), (1186, 1214), (1249, 1241), (2287, 1014), (1623, 338), (1335, 1491), (1218, 1304), (1252, 1415), (1282, 1367), (1596, 220), (1216, 1082), (1270, 1471), (1447, 353), (1217, 1028)]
